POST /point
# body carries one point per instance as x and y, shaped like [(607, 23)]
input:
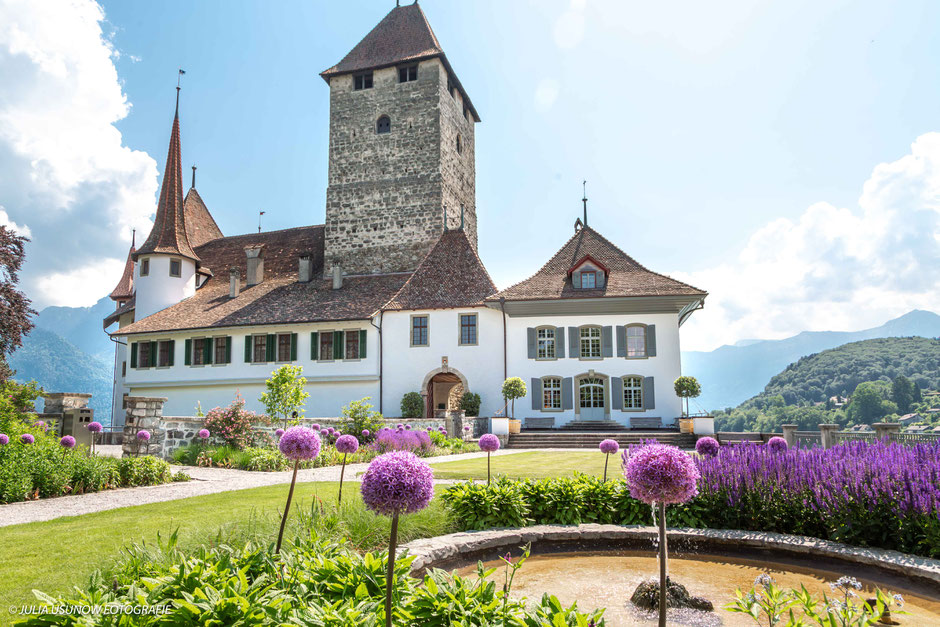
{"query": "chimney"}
[(303, 274), (337, 277), (255, 255), (234, 282)]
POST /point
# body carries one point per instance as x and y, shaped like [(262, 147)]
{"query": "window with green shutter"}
[(293, 347), (362, 344), (188, 347), (247, 349), (207, 351), (133, 354), (270, 347)]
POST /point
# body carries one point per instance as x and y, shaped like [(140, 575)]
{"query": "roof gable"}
[(585, 259), (201, 227)]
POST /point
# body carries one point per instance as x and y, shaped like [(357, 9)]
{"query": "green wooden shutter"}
[(172, 351), (207, 350), (270, 351), (314, 345), (247, 349), (133, 354), (293, 347), (187, 358), (154, 347), (337, 345), (228, 349), (362, 344)]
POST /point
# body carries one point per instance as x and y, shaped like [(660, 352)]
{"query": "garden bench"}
[(637, 422), (540, 423)]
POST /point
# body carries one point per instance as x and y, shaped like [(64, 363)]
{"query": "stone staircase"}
[(574, 438), (594, 426)]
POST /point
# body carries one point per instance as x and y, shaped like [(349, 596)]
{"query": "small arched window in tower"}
[(384, 125), (459, 145)]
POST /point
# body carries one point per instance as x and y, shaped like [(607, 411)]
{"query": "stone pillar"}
[(886, 430), (144, 413), (789, 434), (58, 402), (828, 435)]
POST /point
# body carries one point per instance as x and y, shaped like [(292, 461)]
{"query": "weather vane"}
[(584, 200)]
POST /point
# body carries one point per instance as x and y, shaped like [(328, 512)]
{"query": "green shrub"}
[(470, 403), (412, 405), (268, 460), (234, 425), (481, 506), (143, 471), (357, 416)]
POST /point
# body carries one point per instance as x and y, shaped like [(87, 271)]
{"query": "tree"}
[(866, 403), (412, 405), (470, 403), (687, 387), (917, 397), (359, 416), (15, 310), (513, 388), (902, 393), (285, 394)]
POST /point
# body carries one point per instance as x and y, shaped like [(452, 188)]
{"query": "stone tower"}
[(401, 149)]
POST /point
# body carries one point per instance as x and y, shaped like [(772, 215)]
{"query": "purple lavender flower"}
[(4, 439), (300, 443), (489, 442), (707, 446), (94, 427), (609, 447), (204, 434), (27, 438), (657, 473), (347, 444), (143, 435), (777, 444), (397, 483), (67, 441)]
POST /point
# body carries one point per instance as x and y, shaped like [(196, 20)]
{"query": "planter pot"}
[(515, 426), (703, 425), (685, 425), (499, 426)]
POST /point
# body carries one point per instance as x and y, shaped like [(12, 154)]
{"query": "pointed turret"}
[(168, 235), (200, 225), (125, 287)]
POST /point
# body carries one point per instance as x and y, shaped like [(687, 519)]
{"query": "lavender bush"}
[(298, 444), (417, 442)]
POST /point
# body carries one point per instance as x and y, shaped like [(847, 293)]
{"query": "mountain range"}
[(732, 374)]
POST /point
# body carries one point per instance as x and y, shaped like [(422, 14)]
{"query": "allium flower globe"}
[(67, 441), (279, 432), (27, 438), (407, 426), (204, 434), (347, 444), (94, 427), (397, 483), (489, 442), (300, 443), (143, 435), (4, 439), (777, 444), (609, 447), (707, 447), (365, 433), (657, 473), (315, 427)]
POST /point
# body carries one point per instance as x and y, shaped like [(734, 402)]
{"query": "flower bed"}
[(879, 495)]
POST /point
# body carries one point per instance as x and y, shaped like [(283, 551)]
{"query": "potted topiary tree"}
[(686, 387)]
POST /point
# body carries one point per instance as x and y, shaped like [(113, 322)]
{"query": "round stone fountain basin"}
[(601, 565)]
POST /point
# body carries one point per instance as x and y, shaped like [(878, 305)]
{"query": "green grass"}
[(55, 555), (532, 465)]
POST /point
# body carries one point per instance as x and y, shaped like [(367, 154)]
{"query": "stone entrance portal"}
[(441, 393)]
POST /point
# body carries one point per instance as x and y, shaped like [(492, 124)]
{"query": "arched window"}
[(459, 145), (636, 341), (384, 125)]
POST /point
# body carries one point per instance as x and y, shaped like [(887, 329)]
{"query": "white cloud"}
[(65, 170), (81, 287), (546, 93), (16, 228), (569, 27), (832, 268)]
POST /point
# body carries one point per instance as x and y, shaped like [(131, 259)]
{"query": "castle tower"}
[(401, 162), (166, 263)]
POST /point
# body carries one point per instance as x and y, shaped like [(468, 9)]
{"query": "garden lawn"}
[(55, 555), (532, 465)]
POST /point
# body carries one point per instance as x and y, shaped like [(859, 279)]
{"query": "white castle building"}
[(390, 296)]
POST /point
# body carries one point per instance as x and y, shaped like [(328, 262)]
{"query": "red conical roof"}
[(125, 287), (168, 235)]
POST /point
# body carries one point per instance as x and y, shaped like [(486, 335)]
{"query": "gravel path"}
[(205, 481)]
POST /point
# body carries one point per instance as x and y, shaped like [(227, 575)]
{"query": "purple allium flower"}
[(429, 429), (397, 483), (204, 434), (300, 443), (331, 430), (365, 433), (143, 435), (777, 444), (39, 424), (657, 473), (94, 427), (27, 438), (67, 441), (4, 439), (347, 444), (609, 447), (315, 427), (408, 426), (707, 447), (489, 442), (466, 427)]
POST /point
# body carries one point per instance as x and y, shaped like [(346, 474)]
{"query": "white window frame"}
[(332, 334), (555, 391), (346, 333), (277, 348), (593, 275), (590, 341), (180, 266), (160, 344), (145, 266), (192, 356), (633, 392), (215, 349), (254, 338), (542, 344), (642, 336)]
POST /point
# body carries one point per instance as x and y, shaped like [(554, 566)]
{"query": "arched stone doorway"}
[(443, 390)]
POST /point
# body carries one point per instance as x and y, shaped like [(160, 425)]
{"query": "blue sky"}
[(726, 144)]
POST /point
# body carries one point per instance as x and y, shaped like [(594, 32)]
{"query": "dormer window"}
[(175, 267), (588, 279), (588, 274), (408, 74), (362, 81)]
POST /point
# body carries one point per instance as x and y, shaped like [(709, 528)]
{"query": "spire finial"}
[(178, 77), (260, 213), (584, 200), (194, 176), (133, 237)]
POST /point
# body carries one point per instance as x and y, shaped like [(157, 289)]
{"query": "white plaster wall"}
[(331, 384), (664, 367), (119, 386), (158, 290), (407, 366)]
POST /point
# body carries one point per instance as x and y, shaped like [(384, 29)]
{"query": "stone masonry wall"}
[(387, 192), (143, 413)]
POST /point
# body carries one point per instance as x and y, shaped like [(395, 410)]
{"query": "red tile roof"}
[(451, 275), (125, 287), (626, 277), (404, 35), (168, 234), (200, 225), (123, 308)]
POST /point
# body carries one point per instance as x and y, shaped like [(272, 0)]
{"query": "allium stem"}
[(662, 564), (342, 471), (390, 572), (606, 459), (290, 495), (487, 468)]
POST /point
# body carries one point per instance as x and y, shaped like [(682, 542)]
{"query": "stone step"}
[(558, 439)]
